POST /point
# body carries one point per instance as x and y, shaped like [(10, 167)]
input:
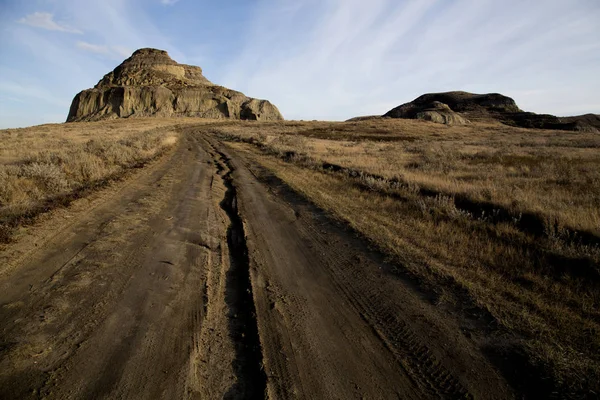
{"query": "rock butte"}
[(459, 108), (151, 84)]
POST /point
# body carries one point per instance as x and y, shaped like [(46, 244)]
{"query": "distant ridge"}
[(151, 84), (459, 108)]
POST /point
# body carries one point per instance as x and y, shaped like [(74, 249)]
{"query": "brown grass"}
[(47, 166), (509, 216), (503, 218), (553, 173)]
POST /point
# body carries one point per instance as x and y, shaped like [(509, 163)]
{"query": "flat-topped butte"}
[(151, 84)]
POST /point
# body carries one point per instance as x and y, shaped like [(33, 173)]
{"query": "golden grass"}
[(552, 173), (399, 189), (449, 204), (45, 166)]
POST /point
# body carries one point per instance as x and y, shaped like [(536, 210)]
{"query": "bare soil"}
[(204, 276)]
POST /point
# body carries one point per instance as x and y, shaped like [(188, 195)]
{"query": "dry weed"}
[(509, 216)]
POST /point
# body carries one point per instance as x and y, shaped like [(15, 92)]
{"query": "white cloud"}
[(122, 51), (330, 59), (168, 2), (94, 48), (46, 21), (130, 27), (118, 52), (352, 54), (56, 67)]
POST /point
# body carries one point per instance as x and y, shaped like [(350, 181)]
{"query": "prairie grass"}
[(46, 166), (552, 173), (450, 206), (503, 218)]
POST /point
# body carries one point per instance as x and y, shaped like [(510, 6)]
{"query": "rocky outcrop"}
[(473, 104), (586, 122), (454, 108), (440, 113), (151, 84), (458, 108)]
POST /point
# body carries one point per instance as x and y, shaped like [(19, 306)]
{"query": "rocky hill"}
[(454, 108), (586, 119), (151, 84)]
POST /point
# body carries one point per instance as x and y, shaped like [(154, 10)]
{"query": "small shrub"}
[(44, 174), (49, 177)]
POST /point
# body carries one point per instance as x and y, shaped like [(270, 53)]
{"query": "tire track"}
[(415, 358), (248, 364), (363, 294), (106, 317)]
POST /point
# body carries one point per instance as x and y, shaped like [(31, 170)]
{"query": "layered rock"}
[(454, 107), (440, 113), (458, 108), (151, 84), (464, 102)]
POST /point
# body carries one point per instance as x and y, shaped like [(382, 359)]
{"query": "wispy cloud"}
[(355, 56), (168, 2), (18, 91), (94, 48), (131, 27), (46, 21), (118, 52), (122, 51), (325, 59), (58, 66)]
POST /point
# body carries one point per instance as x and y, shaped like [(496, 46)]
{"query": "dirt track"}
[(206, 277)]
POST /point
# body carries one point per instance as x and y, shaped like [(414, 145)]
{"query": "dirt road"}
[(205, 277)]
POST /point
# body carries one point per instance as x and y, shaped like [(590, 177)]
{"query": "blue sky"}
[(325, 59)]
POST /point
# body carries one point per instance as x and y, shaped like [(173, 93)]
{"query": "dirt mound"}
[(150, 83), (460, 107)]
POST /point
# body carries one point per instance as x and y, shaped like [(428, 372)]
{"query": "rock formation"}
[(475, 105), (440, 113), (151, 84), (584, 122), (458, 108)]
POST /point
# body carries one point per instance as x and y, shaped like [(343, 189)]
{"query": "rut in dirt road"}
[(206, 278), (333, 321), (248, 365)]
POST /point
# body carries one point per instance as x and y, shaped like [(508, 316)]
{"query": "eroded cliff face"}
[(151, 84), (458, 108), (468, 104)]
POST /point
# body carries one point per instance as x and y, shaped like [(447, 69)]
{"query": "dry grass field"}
[(501, 224), (45, 166), (503, 218)]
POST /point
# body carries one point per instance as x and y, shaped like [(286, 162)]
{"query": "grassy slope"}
[(400, 187)]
